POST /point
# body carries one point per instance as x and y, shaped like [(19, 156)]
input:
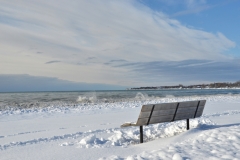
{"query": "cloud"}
[(197, 6), (81, 28), (74, 32), (116, 62), (188, 71), (197, 9), (23, 83), (90, 58), (186, 3), (50, 62), (194, 3)]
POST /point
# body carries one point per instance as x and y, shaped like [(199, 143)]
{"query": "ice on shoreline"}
[(59, 107)]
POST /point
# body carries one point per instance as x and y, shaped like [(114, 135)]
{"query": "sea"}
[(91, 99)]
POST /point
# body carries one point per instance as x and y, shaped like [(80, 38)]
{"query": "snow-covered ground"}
[(92, 131)]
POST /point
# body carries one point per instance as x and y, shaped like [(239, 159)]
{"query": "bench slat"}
[(199, 114), (200, 109), (142, 121), (147, 108), (202, 103), (184, 116), (161, 119), (163, 112), (165, 106), (157, 113), (186, 110), (144, 114), (162, 106), (188, 104)]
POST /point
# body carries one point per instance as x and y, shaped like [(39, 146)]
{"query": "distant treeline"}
[(199, 86)]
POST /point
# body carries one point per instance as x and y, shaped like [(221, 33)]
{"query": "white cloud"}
[(194, 3), (69, 32), (195, 10), (185, 3)]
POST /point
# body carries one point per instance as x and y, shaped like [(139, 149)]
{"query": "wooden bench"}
[(167, 112)]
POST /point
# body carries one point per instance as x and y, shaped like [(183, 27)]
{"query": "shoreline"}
[(186, 88)]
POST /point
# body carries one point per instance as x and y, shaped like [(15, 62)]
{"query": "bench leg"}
[(187, 124), (141, 134)]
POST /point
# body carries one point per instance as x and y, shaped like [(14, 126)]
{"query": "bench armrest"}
[(128, 124)]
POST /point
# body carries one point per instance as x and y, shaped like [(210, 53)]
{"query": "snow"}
[(92, 131)]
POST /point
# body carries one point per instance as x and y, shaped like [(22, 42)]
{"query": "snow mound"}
[(130, 136), (222, 142), (123, 137)]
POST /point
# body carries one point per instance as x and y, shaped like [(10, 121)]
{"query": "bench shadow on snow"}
[(199, 128), (210, 127)]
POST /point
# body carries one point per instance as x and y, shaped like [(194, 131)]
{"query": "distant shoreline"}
[(181, 88), (222, 85)]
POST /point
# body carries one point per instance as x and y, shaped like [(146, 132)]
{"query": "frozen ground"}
[(92, 131)]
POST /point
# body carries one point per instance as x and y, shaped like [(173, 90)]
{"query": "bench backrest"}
[(168, 112)]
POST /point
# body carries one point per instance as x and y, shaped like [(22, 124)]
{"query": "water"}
[(46, 99)]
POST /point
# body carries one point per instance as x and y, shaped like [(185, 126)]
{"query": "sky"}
[(117, 44)]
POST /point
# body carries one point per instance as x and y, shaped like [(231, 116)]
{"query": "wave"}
[(94, 98), (170, 96), (87, 99), (89, 103), (141, 96)]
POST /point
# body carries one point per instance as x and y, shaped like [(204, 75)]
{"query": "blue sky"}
[(114, 44)]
